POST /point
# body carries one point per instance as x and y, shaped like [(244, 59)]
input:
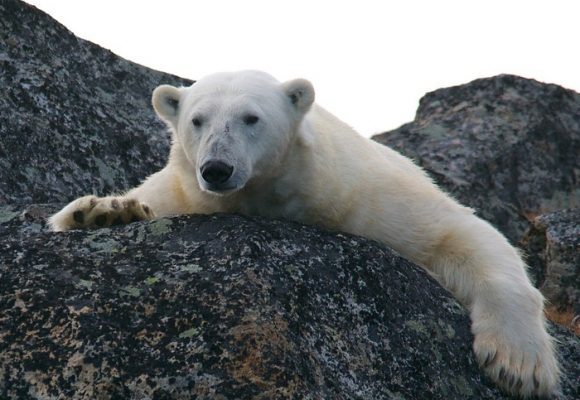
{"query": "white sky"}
[(370, 61)]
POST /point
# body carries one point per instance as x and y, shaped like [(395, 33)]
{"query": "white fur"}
[(302, 163)]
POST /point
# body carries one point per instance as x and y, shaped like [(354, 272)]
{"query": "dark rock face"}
[(207, 307), (225, 307), (56, 89), (553, 245), (507, 146)]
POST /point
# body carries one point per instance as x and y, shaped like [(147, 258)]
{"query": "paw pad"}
[(92, 212)]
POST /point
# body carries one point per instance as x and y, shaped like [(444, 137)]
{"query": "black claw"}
[(79, 216), (101, 220), (489, 360), (502, 374), (536, 383), (147, 210)]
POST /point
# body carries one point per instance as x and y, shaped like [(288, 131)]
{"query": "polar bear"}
[(245, 143)]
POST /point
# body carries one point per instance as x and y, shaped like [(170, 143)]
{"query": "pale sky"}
[(370, 61)]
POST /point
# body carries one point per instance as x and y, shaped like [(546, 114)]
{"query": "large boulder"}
[(227, 307), (74, 118), (223, 307)]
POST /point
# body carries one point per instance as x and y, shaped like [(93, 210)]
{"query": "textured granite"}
[(55, 88), (553, 247), (227, 307)]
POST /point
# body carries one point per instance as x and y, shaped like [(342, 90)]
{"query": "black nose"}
[(216, 172)]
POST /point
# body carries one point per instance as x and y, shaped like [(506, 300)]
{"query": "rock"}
[(227, 307), (507, 146), (553, 245), (74, 118), (224, 307)]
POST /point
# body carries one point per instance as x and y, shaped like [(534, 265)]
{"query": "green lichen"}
[(189, 333), (85, 284), (6, 214), (447, 329), (159, 227), (30, 173), (191, 268), (151, 280), (100, 242), (561, 200), (395, 395), (418, 327), (131, 291), (156, 227)]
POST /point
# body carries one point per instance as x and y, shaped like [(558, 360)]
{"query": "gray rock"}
[(507, 146), (553, 245), (227, 307), (74, 118)]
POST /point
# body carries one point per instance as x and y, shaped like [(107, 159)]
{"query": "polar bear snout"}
[(216, 172)]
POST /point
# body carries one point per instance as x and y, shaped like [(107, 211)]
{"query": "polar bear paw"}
[(91, 212), (524, 365)]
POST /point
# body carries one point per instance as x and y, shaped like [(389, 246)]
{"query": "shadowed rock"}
[(553, 245), (56, 89)]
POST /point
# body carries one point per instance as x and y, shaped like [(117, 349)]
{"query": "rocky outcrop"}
[(227, 307), (223, 307), (56, 89), (553, 245), (207, 307)]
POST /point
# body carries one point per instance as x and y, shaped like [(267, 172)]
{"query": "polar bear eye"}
[(250, 119), (196, 122)]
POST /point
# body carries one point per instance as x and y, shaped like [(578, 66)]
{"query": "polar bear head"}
[(235, 127)]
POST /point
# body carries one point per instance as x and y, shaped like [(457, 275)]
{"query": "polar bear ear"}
[(165, 101), (300, 93)]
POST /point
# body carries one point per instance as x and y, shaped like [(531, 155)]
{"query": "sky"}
[(369, 61)]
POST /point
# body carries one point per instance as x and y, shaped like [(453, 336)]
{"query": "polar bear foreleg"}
[(475, 262)]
